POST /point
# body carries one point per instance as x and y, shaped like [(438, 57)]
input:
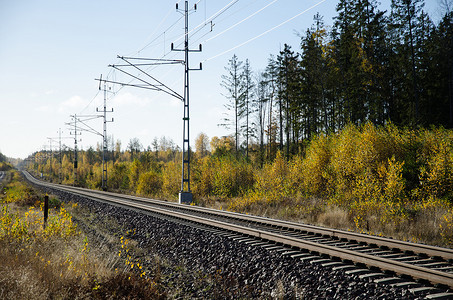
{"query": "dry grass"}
[(335, 217), (59, 262), (429, 223)]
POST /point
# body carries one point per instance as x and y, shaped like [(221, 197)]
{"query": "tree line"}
[(373, 66)]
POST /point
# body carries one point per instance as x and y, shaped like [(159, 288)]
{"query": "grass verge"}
[(57, 261)]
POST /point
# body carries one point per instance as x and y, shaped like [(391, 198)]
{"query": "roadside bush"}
[(171, 178), (119, 176), (223, 176), (315, 168), (272, 182), (446, 227), (203, 176), (436, 160), (149, 183), (4, 166)]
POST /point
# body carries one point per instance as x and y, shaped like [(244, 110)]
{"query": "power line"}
[(220, 21), (89, 103), (211, 18), (238, 10), (240, 22), (180, 37), (112, 70), (264, 33), (175, 39), (156, 38)]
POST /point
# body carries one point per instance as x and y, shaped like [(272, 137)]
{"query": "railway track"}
[(379, 257)]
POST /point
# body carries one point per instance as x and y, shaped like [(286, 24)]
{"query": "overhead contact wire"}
[(240, 22), (264, 33)]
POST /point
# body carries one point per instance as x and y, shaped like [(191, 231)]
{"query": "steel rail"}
[(418, 272), (431, 251)]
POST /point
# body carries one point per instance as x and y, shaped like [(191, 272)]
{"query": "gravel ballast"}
[(200, 264)]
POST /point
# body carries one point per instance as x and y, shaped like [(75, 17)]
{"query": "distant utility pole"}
[(51, 157), (60, 158), (75, 148), (85, 127), (151, 83), (104, 135)]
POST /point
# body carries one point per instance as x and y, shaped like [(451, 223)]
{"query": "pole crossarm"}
[(129, 84), (154, 61), (171, 61), (88, 127), (160, 86), (188, 50), (149, 64)]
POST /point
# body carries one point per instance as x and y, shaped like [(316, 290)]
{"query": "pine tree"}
[(262, 97), (246, 109), (313, 73), (231, 82), (405, 18), (437, 76), (356, 30), (289, 96), (271, 74)]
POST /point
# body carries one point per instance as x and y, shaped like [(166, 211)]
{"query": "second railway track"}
[(418, 261)]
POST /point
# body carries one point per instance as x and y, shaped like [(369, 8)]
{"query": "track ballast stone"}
[(231, 269)]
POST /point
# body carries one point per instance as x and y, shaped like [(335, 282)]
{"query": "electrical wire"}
[(221, 11), (264, 33), (89, 103), (196, 29), (212, 24), (240, 22), (163, 33), (180, 37), (237, 11), (211, 18)]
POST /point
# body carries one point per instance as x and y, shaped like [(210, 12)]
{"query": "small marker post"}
[(46, 209)]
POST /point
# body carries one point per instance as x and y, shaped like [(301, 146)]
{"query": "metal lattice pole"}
[(104, 144), (185, 183), (152, 83), (60, 158), (185, 196), (75, 150)]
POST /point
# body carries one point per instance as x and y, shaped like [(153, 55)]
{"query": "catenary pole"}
[(185, 195)]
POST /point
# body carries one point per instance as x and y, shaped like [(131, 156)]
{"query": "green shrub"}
[(171, 178), (149, 183)]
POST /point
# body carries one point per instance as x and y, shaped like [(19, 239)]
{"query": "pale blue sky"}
[(51, 51)]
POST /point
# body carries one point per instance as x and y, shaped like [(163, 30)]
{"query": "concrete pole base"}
[(185, 198)]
